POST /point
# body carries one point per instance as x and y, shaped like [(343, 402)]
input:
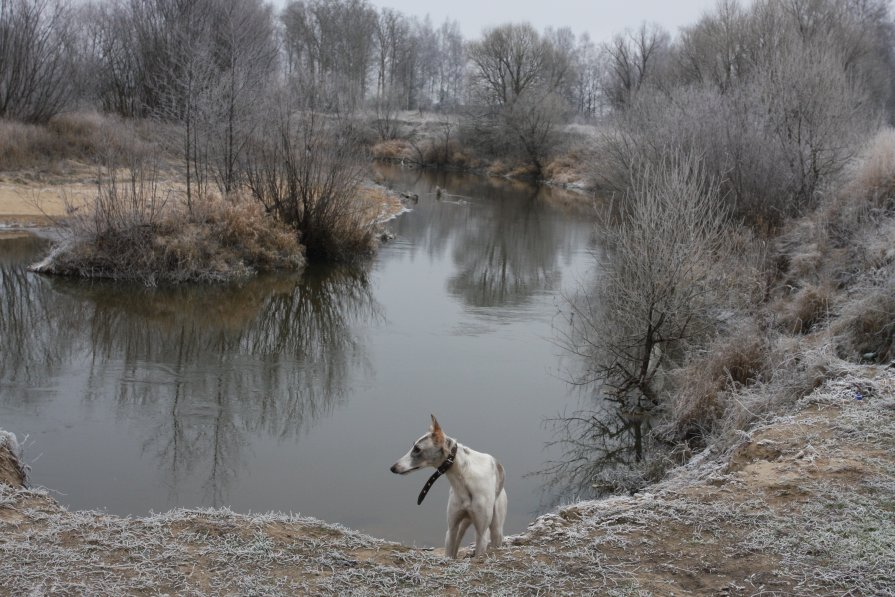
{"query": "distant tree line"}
[(139, 57), (210, 65)]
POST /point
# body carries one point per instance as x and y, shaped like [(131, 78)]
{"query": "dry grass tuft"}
[(804, 310), (873, 178), (13, 471), (233, 235), (393, 150), (523, 171), (565, 170), (498, 168), (429, 152), (865, 330), (731, 362), (796, 368), (21, 145), (78, 136)]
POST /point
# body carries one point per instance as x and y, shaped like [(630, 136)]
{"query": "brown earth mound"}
[(11, 470)]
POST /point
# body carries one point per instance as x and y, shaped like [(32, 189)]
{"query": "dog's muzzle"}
[(395, 469)]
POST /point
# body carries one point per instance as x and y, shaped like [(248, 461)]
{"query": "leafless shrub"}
[(442, 148), (653, 298), (525, 129), (307, 171), (605, 450), (656, 286), (817, 114), (35, 59), (386, 121), (775, 103), (700, 120)]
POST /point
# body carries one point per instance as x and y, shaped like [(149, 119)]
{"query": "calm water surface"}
[(296, 393)]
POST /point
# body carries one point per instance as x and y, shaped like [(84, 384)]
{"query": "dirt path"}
[(805, 505)]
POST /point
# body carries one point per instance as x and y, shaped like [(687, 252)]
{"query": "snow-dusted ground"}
[(802, 504)]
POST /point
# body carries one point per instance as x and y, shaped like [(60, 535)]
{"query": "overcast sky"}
[(600, 18)]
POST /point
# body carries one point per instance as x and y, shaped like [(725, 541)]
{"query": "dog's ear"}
[(435, 430)]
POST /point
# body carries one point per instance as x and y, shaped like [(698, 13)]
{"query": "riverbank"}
[(802, 504)]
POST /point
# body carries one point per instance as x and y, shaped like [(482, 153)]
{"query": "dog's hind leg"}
[(500, 514), (481, 518)]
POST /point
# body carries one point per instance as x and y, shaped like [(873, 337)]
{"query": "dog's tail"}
[(500, 477)]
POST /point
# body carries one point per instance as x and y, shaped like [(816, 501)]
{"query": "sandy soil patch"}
[(36, 204)]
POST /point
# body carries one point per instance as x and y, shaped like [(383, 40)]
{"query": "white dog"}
[(477, 494)]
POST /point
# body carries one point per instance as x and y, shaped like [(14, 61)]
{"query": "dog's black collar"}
[(442, 469)]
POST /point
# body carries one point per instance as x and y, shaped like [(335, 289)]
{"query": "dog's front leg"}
[(458, 522)]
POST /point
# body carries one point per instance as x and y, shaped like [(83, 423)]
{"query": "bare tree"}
[(508, 60), (634, 59), (516, 81), (35, 59), (330, 47), (714, 49), (451, 65), (816, 114), (655, 284), (307, 170), (184, 91), (390, 33), (588, 74), (245, 54)]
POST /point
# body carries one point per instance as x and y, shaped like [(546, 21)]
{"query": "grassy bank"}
[(801, 504)]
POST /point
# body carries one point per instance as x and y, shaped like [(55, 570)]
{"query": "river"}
[(296, 393)]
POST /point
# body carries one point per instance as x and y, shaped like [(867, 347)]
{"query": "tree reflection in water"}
[(507, 257), (208, 366), (606, 446), (507, 240), (605, 449)]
